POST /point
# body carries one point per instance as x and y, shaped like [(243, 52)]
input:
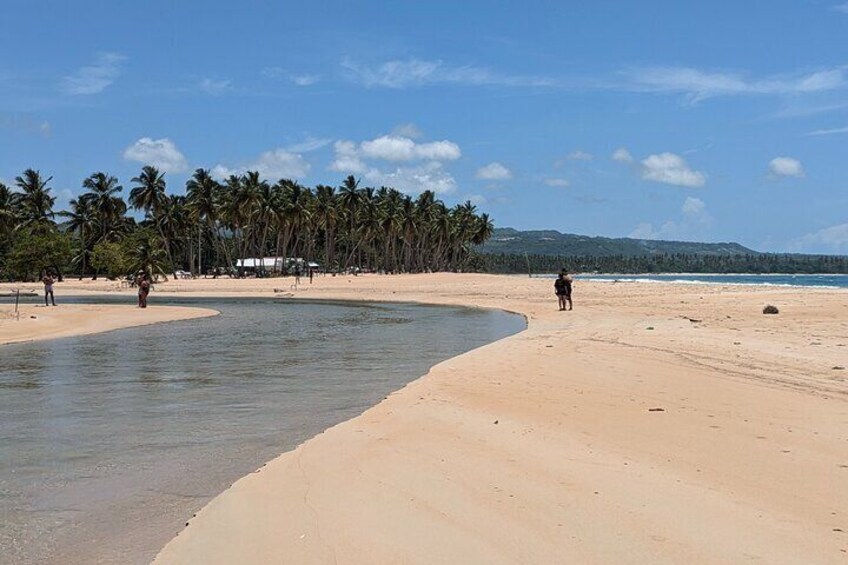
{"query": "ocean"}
[(820, 281), (109, 442)]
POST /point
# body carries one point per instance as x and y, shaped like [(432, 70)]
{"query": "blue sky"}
[(713, 121)]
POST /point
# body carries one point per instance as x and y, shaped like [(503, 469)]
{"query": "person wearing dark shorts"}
[(567, 280), (559, 289)]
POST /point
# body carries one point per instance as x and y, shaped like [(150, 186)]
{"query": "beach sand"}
[(37, 322), (654, 423)]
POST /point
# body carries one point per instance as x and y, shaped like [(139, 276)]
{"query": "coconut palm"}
[(103, 193), (83, 221), (35, 201)]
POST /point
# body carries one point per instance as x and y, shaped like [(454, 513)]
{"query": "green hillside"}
[(550, 242)]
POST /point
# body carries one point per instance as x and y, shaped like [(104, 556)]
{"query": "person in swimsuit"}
[(48, 281), (143, 289)]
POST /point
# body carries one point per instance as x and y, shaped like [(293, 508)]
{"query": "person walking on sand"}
[(567, 280), (48, 281)]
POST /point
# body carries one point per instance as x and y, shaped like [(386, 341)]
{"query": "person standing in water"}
[(48, 281), (143, 289)]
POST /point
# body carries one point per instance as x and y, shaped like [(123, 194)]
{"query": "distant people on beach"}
[(48, 281), (143, 284), (311, 274), (562, 288)]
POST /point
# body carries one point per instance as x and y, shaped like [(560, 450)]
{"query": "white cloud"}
[(477, 199), (308, 144), (94, 78), (415, 72), (414, 180), (833, 239), (693, 206), (272, 72), (832, 131), (304, 80), (786, 167), (215, 87), (841, 8), (407, 130), (670, 168), (622, 155), (347, 158), (560, 183), (698, 85), (693, 225), (579, 155), (272, 165), (161, 153), (493, 171), (45, 129), (395, 148)]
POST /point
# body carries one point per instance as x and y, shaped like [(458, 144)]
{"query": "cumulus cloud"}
[(833, 239), (693, 224), (693, 206), (424, 170), (416, 73), (94, 78), (670, 168), (622, 155), (161, 153), (396, 148), (347, 158), (786, 167), (414, 180), (309, 144), (559, 183), (275, 164), (493, 171), (579, 155)]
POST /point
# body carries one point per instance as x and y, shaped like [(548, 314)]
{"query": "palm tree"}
[(327, 216), (204, 201), (36, 203), (109, 208), (9, 210), (149, 195), (82, 220)]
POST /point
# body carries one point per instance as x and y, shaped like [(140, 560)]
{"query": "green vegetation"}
[(214, 224), (760, 263)]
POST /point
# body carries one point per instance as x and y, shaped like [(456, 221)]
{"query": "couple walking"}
[(562, 288)]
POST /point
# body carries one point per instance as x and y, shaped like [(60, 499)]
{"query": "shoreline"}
[(547, 444), (37, 322)]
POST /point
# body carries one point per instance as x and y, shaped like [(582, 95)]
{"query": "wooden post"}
[(17, 300)]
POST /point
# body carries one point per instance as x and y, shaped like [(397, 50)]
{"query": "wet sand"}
[(654, 423)]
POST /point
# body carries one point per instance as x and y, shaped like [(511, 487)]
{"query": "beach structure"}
[(272, 264)]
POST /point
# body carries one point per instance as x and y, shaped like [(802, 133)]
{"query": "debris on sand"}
[(770, 310)]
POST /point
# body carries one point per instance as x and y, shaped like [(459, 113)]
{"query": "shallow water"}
[(109, 442)]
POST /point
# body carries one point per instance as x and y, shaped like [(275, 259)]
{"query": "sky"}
[(702, 121)]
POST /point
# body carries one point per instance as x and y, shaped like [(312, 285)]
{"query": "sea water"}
[(109, 442), (826, 281)]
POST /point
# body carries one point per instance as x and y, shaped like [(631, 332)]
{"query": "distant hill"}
[(550, 242)]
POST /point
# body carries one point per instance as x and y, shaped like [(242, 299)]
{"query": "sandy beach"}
[(654, 423), (37, 322)]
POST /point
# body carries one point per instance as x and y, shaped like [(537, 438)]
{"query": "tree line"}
[(214, 224), (760, 263)]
